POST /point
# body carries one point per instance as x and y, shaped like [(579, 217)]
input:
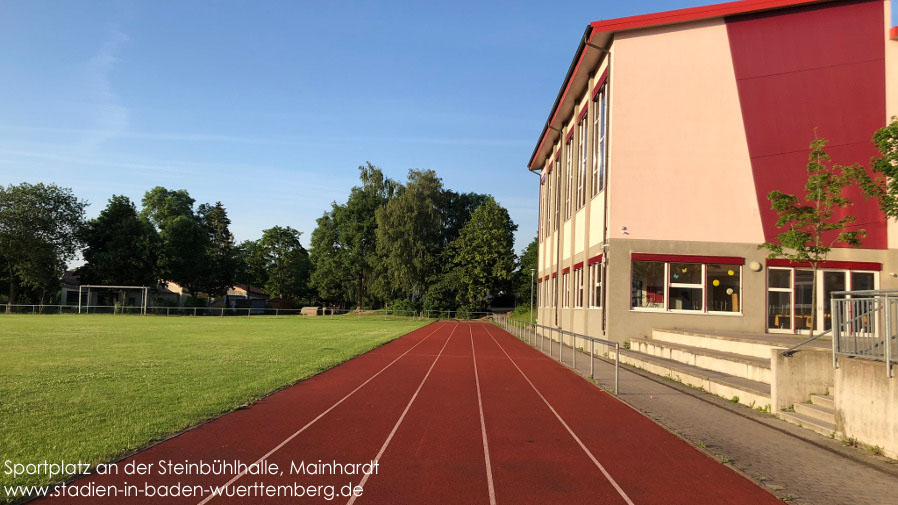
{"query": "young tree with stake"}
[(812, 224)]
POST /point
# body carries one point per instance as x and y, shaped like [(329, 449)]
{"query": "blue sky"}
[(270, 106)]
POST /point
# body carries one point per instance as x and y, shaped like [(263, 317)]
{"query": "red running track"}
[(453, 413)]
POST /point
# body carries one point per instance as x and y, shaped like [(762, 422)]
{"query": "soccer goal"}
[(84, 292)]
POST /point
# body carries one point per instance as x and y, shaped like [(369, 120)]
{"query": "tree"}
[(40, 230), (286, 263), (250, 264), (221, 266), (883, 185), (344, 244), (330, 276), (120, 247), (483, 255), (524, 279), (409, 237), (183, 255), (811, 223), (161, 205)]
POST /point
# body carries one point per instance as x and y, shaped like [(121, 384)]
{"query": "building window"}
[(595, 286), (578, 288), (647, 290), (554, 291), (687, 286), (723, 288), (779, 298), (565, 290), (599, 144), (581, 163), (555, 195), (568, 170)]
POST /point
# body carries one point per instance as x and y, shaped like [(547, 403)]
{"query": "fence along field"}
[(95, 387)]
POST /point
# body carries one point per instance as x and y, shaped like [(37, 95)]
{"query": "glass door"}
[(804, 300), (832, 281), (779, 299)]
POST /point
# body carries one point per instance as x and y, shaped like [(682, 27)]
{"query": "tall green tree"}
[(483, 258), (286, 263), (330, 276), (120, 247), (523, 277), (251, 264), (184, 237), (221, 262), (409, 237), (40, 230), (344, 243), (161, 205), (811, 223)]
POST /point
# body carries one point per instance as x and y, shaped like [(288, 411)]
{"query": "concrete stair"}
[(818, 415), (734, 367)]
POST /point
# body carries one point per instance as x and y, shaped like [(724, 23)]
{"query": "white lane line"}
[(313, 421), (486, 446), (569, 430), (402, 417)]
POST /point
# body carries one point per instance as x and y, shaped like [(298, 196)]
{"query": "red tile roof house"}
[(657, 156)]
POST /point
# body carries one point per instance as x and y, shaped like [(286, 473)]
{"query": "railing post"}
[(837, 328), (888, 336), (573, 351), (617, 369), (592, 359)]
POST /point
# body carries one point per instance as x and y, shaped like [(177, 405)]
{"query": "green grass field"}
[(93, 388)]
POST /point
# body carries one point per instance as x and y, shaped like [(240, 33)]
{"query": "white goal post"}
[(81, 288)]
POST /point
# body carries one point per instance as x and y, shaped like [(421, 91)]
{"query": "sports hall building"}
[(669, 131)]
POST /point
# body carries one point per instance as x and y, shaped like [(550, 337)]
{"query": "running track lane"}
[(248, 434), (650, 464)]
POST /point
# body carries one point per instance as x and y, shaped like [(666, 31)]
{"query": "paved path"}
[(453, 413), (796, 464)]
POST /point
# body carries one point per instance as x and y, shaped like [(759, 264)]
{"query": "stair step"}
[(816, 411), (821, 427), (739, 365), (751, 393), (824, 401), (739, 345)]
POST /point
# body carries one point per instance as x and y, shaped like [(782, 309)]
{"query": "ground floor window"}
[(566, 290), (682, 283), (595, 286), (790, 294), (578, 288)]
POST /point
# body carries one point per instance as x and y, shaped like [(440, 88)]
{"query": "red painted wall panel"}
[(819, 66)]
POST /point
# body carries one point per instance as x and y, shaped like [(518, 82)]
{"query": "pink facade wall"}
[(679, 163)]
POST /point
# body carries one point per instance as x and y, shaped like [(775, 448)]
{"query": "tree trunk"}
[(12, 292)]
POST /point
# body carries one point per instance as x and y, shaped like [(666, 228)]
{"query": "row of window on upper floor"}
[(587, 143)]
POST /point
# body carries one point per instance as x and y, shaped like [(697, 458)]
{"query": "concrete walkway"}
[(797, 465)]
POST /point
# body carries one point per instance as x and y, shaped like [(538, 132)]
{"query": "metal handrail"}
[(526, 330), (792, 350)]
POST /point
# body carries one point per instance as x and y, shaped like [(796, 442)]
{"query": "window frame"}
[(583, 140), (595, 285), (566, 290), (578, 288), (665, 305), (569, 173), (600, 140)]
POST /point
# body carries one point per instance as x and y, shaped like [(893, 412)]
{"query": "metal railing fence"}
[(537, 334), (865, 325), (233, 311)]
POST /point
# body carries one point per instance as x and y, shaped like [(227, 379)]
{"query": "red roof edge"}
[(893, 33), (693, 14)]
